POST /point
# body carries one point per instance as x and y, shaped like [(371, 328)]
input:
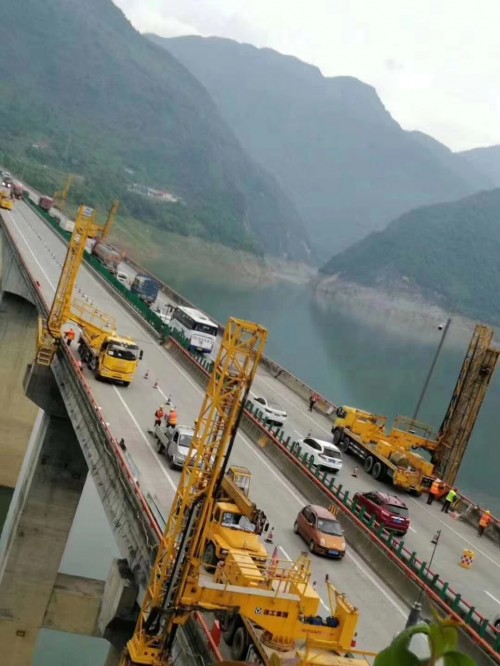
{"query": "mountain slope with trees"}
[(83, 92), (447, 253), (485, 160), (342, 159)]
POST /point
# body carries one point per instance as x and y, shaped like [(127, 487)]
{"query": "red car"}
[(388, 510)]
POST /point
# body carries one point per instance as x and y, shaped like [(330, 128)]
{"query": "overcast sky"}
[(434, 63)]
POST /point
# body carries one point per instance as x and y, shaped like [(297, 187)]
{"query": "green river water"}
[(362, 358)]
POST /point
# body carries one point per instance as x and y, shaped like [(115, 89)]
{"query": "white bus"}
[(197, 328)]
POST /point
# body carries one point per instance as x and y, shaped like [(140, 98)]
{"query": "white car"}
[(325, 454), (271, 414)]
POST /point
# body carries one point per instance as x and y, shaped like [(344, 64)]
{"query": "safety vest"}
[(485, 520), (71, 334), (436, 487), (159, 414), (172, 418), (451, 496)]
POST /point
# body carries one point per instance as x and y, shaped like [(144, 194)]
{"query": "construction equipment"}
[(106, 229), (59, 198), (393, 455), (6, 202), (275, 598), (108, 354)]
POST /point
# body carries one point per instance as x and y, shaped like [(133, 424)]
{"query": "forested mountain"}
[(342, 159), (82, 91), (485, 160), (447, 252)]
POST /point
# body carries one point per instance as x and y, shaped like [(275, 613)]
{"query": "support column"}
[(41, 515)]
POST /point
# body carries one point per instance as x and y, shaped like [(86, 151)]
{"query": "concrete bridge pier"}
[(38, 524)]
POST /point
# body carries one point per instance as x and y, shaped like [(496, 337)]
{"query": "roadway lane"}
[(130, 414)]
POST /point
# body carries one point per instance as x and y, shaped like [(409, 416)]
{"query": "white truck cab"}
[(174, 443)]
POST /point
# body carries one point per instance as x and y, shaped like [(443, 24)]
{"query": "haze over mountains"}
[(342, 159), (83, 91), (485, 160), (447, 253)]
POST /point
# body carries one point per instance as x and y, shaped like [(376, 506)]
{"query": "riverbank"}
[(395, 306)]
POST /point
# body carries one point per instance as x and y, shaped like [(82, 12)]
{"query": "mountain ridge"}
[(84, 92), (341, 158)]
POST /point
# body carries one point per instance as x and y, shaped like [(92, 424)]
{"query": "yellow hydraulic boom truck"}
[(108, 354), (392, 455), (278, 607)]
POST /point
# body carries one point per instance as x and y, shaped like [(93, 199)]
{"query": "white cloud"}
[(434, 64)]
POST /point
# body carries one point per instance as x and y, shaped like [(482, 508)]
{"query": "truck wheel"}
[(171, 462), (93, 364), (345, 444), (159, 445), (210, 556), (368, 464), (378, 471), (312, 546), (336, 435), (240, 646), (296, 527), (229, 625), (125, 384)]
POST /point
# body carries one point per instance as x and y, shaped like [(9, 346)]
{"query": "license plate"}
[(333, 552)]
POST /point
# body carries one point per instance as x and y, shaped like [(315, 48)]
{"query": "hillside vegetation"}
[(486, 161), (81, 91), (449, 253), (346, 164)]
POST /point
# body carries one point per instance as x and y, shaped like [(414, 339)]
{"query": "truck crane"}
[(108, 354), (106, 229), (274, 597), (59, 198), (393, 454)]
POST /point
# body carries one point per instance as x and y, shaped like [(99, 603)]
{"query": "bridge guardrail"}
[(136, 494), (476, 624)]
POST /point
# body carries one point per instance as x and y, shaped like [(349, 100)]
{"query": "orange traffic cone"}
[(270, 536), (146, 376), (355, 472)]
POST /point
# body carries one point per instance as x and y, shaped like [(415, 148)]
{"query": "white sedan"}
[(270, 414), (324, 454)]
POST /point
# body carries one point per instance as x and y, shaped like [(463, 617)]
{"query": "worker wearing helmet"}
[(434, 490), (70, 336), (484, 522), (172, 418)]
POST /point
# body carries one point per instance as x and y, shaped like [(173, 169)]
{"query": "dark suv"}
[(388, 510)]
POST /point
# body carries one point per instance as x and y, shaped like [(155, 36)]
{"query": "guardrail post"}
[(456, 602), (338, 490), (331, 485), (400, 547), (371, 522), (421, 571), (380, 531), (483, 627), (469, 614), (444, 591), (412, 559), (287, 441), (434, 580), (345, 499)]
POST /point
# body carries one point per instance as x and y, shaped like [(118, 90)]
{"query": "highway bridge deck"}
[(129, 412)]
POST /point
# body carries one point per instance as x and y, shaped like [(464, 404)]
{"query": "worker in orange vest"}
[(313, 400), (484, 522), (434, 490), (172, 418), (70, 336), (159, 414)]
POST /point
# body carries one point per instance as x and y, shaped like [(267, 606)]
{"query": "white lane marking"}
[(492, 597), (355, 561), (150, 448), (411, 528), (31, 252), (298, 433), (464, 538)]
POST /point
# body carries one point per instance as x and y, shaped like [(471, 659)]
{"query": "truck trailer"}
[(107, 255), (146, 288)]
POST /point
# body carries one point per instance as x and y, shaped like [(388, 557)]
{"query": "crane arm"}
[(61, 305), (106, 229), (470, 390), (183, 543)]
